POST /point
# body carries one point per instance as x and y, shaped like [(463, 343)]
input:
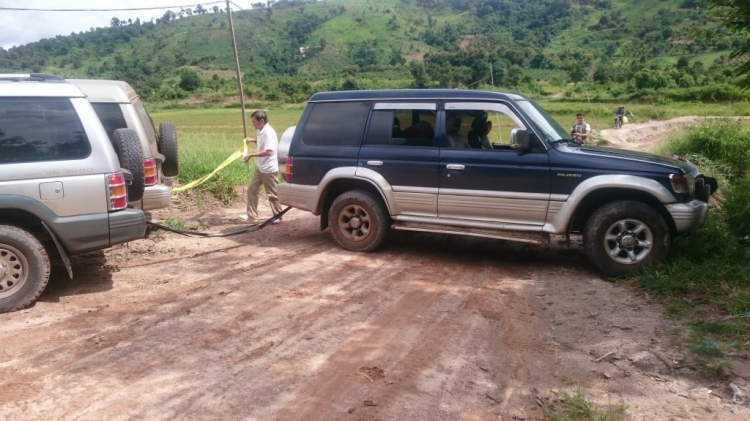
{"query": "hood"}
[(673, 162)]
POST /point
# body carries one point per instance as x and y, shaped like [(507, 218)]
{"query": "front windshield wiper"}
[(575, 142)]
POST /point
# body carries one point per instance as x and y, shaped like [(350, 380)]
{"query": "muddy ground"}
[(282, 324)]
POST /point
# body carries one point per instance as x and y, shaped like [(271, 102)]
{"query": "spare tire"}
[(128, 148), (168, 148)]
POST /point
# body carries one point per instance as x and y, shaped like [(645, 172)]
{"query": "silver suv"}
[(118, 106), (62, 185)]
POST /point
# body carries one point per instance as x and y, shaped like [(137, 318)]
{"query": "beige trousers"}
[(269, 181)]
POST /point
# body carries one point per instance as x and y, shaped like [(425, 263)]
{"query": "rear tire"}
[(621, 238), (168, 148), (359, 221), (128, 148), (24, 268)]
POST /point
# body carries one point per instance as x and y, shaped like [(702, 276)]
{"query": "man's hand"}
[(245, 158), (250, 140)]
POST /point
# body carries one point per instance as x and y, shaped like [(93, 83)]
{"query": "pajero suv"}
[(62, 185), (482, 164), (119, 107)]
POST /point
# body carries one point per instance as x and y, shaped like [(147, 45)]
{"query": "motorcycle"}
[(618, 121)]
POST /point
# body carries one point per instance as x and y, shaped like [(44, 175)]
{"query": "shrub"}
[(723, 141)]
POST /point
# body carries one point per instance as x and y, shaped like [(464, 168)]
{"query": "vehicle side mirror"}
[(519, 140)]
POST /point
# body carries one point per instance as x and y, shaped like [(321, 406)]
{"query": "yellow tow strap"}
[(237, 154)]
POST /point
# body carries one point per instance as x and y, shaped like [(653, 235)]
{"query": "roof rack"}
[(36, 77)]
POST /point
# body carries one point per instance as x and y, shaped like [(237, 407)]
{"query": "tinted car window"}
[(401, 128), (111, 117), (40, 129), (336, 124)]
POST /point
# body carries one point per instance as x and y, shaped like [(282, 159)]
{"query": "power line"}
[(22, 9)]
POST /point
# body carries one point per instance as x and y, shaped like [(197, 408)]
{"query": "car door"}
[(481, 177), (400, 147)]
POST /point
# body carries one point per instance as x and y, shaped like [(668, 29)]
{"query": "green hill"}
[(289, 50)]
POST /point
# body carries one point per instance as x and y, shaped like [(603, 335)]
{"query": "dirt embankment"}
[(282, 324), (645, 136)]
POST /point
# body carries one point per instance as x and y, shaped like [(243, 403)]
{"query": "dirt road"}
[(284, 325)]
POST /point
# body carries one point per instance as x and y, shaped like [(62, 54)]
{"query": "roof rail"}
[(37, 77)]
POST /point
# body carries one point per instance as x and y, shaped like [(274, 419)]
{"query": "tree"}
[(735, 15), (114, 22), (189, 80), (577, 73)]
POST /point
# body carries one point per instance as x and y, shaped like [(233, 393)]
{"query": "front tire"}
[(359, 221), (24, 268), (621, 238)]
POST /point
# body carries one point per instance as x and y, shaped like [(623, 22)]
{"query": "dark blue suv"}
[(482, 164)]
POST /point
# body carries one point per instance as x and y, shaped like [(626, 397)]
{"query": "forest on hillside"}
[(291, 48)]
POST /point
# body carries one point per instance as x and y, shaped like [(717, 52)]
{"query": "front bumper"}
[(688, 216)]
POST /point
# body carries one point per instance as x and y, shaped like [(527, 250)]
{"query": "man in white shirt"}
[(267, 168), (581, 130)]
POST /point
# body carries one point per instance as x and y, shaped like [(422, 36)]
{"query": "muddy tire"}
[(128, 148), (359, 221), (621, 238), (24, 268), (168, 148)]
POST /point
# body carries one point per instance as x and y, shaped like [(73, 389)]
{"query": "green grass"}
[(179, 224), (576, 406)]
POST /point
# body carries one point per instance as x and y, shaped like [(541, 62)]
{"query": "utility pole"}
[(237, 66)]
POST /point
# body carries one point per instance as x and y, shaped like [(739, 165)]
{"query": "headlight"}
[(682, 184)]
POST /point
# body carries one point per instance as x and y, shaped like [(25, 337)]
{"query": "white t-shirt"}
[(581, 128), (267, 139)]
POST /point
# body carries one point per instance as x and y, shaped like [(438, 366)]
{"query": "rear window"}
[(40, 129), (146, 120), (336, 124), (111, 117)]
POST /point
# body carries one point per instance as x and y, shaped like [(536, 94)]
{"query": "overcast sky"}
[(22, 27)]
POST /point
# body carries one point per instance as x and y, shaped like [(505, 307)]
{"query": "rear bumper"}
[(126, 225), (688, 216), (297, 196), (155, 197)]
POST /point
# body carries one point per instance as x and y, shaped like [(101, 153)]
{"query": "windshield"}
[(547, 126)]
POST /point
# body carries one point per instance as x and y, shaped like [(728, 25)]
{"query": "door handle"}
[(455, 167), (375, 163)]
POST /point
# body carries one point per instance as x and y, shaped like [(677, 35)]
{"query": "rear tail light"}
[(682, 183), (288, 170), (118, 191), (150, 177)]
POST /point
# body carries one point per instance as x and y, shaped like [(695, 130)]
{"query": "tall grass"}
[(726, 141)]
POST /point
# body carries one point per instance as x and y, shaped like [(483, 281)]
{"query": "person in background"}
[(619, 114), (580, 130), (267, 168)]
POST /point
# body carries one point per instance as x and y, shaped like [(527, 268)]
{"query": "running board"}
[(519, 236)]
